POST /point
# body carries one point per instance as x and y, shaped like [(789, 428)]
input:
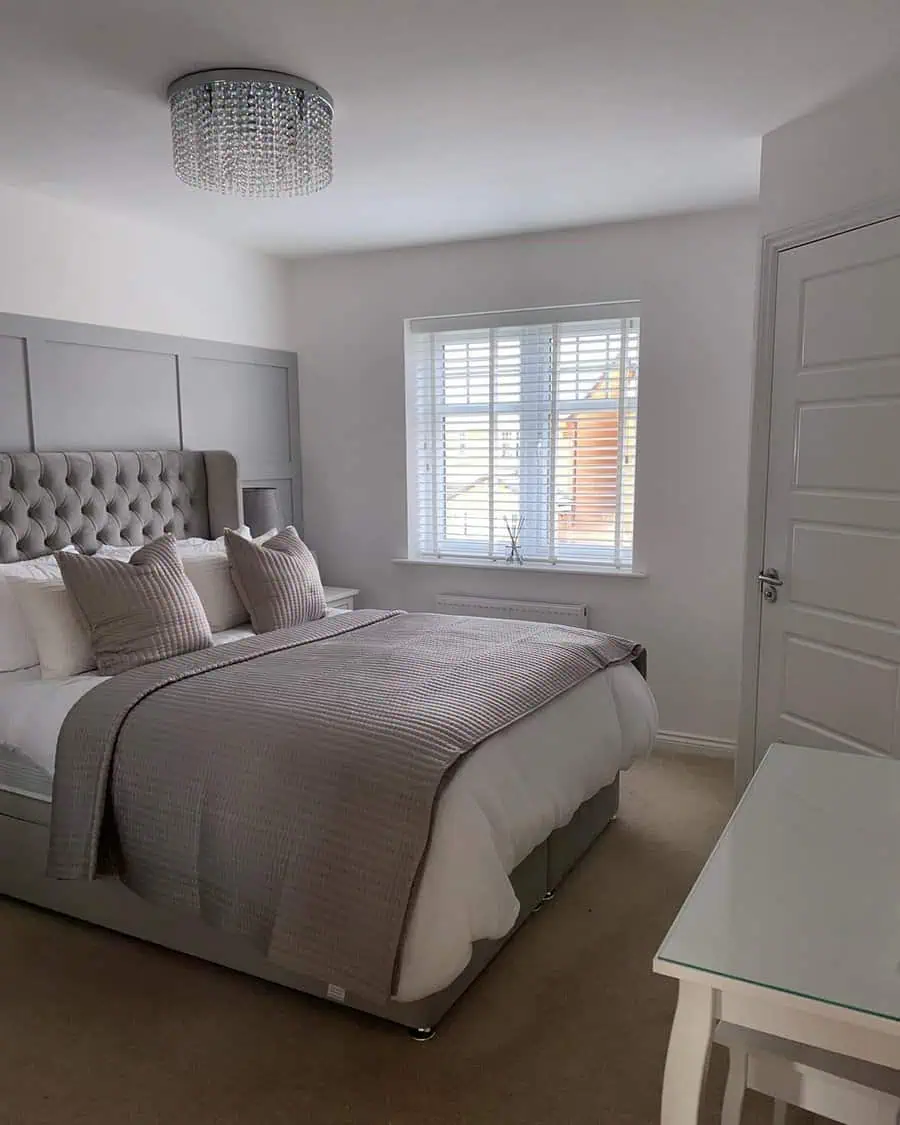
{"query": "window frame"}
[(539, 543)]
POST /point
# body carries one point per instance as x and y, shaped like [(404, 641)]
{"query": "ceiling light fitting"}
[(251, 132)]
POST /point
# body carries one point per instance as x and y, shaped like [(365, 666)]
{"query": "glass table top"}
[(802, 892)]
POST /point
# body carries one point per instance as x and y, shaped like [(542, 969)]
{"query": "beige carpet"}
[(568, 1027)]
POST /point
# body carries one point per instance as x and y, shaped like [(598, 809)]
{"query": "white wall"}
[(695, 278), (843, 155), (72, 262)]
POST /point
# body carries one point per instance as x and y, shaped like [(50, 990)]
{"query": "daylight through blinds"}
[(525, 440)]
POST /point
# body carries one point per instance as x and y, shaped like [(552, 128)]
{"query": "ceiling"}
[(454, 118)]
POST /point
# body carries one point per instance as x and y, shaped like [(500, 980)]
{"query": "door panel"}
[(864, 296), (844, 569), (841, 691), (830, 645), (841, 631), (864, 432), (799, 732)]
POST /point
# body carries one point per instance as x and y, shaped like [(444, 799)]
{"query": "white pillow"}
[(60, 635), (184, 547), (216, 546), (210, 574), (206, 565), (123, 553), (17, 648)]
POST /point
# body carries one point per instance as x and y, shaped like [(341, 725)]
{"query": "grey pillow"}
[(138, 611), (278, 580)]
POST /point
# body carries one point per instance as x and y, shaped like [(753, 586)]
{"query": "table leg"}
[(688, 1054), (735, 1087)]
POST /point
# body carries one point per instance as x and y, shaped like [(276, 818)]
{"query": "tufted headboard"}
[(49, 500)]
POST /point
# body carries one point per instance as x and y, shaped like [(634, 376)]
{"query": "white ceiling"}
[(454, 118)]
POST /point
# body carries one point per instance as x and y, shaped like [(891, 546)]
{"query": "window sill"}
[(526, 568)]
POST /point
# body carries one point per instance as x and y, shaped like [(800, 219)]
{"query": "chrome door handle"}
[(769, 581)]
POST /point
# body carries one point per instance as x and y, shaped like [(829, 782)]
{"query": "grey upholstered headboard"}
[(49, 500)]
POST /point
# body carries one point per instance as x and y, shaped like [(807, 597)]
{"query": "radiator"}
[(558, 614)]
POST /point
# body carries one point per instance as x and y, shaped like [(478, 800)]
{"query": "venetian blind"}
[(523, 436)]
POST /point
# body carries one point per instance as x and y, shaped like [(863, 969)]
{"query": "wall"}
[(695, 278), (843, 155), (72, 262), (76, 386)]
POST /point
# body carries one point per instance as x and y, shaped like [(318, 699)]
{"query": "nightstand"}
[(340, 597)]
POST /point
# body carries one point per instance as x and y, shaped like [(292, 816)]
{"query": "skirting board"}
[(680, 743)]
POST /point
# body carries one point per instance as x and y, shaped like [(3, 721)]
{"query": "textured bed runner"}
[(283, 787)]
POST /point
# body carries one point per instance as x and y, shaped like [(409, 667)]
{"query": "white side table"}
[(792, 928), (340, 597)]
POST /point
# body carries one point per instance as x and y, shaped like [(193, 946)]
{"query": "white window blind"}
[(524, 430)]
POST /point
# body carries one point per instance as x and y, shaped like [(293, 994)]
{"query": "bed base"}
[(24, 833)]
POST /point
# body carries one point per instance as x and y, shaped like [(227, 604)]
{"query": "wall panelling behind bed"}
[(80, 386)]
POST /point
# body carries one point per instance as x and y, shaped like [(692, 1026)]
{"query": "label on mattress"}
[(335, 992)]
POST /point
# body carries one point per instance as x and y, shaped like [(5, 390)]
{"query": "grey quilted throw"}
[(283, 787)]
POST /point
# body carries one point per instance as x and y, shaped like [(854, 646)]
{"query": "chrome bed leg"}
[(548, 897), (421, 1034)]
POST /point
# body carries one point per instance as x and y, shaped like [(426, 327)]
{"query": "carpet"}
[(568, 1027)]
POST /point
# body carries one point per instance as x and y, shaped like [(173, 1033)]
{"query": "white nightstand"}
[(340, 597)]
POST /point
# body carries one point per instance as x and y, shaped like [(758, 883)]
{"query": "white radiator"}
[(558, 614)]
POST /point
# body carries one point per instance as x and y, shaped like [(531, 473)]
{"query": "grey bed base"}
[(24, 835)]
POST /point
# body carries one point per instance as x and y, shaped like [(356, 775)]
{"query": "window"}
[(523, 429)]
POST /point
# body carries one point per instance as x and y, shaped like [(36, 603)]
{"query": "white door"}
[(830, 643)]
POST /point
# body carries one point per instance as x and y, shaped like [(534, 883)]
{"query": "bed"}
[(499, 845)]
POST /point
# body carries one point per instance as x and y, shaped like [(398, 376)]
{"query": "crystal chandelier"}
[(251, 132)]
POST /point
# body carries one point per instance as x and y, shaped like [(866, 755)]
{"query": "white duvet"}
[(504, 799)]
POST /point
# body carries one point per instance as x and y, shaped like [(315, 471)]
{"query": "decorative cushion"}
[(278, 580), (59, 633), (17, 646), (137, 612)]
